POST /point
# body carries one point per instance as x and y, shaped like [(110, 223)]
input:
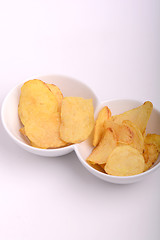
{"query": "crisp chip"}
[(139, 116), (153, 139), (123, 132), (36, 99), (58, 94), (103, 115), (101, 152), (44, 132), (124, 161), (137, 137), (77, 119), (96, 166), (150, 155), (22, 131)]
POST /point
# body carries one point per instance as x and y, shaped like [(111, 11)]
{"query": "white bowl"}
[(12, 124), (118, 106), (72, 87)]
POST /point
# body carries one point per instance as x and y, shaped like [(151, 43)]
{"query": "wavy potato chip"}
[(123, 132), (101, 152), (137, 138), (150, 155), (44, 132), (124, 161), (98, 167), (103, 115), (77, 119), (153, 139), (22, 131), (139, 116), (58, 94), (36, 99)]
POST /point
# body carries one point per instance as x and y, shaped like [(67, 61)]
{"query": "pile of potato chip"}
[(51, 120), (121, 146)]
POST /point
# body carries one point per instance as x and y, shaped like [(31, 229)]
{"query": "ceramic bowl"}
[(12, 124), (73, 87), (119, 106)]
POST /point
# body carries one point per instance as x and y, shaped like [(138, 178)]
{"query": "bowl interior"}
[(10, 119), (117, 106)]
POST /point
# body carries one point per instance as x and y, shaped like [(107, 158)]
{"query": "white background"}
[(114, 47)]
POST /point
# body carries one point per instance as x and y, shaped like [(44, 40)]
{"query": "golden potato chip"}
[(144, 134), (58, 94), (44, 132), (124, 161), (36, 99), (77, 119), (137, 137), (22, 131), (153, 139), (101, 152), (139, 116), (98, 167), (103, 115), (123, 132), (150, 155)]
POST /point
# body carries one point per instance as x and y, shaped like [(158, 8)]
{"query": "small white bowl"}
[(84, 149), (12, 124), (72, 87)]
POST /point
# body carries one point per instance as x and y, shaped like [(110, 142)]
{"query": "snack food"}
[(103, 115), (139, 116), (150, 155), (129, 150), (36, 99), (58, 94), (100, 154), (40, 113), (44, 132), (77, 119), (123, 132), (124, 161), (153, 139), (137, 139)]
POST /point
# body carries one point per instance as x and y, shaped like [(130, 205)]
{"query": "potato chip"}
[(77, 119), (98, 167), (101, 152), (153, 139), (44, 132), (139, 116), (123, 132), (137, 137), (36, 99), (22, 131), (103, 115), (124, 161), (58, 94), (150, 155)]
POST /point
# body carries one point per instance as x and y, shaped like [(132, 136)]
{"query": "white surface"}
[(113, 46)]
